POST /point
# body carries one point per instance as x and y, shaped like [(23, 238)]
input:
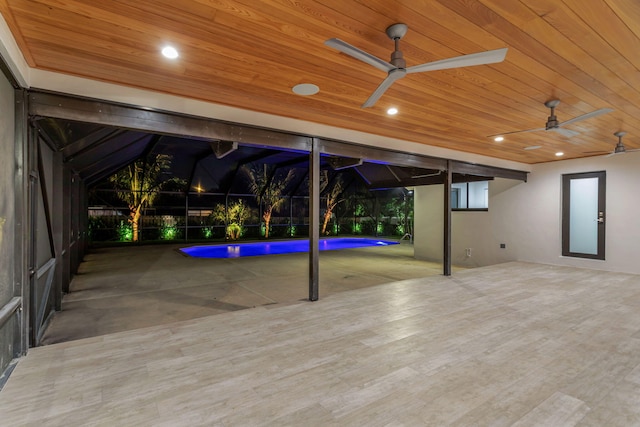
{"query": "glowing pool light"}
[(239, 250)]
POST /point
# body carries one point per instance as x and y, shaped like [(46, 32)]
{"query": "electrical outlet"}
[(468, 252), (503, 245)]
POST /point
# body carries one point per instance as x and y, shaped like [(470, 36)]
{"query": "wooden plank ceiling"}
[(249, 54)]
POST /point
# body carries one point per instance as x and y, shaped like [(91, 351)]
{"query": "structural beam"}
[(21, 215), (426, 180), (395, 175), (379, 155), (314, 220), (226, 183), (46, 104), (7, 310), (194, 166), (364, 178), (446, 254), (222, 148), (489, 171), (54, 105), (105, 166), (339, 163)]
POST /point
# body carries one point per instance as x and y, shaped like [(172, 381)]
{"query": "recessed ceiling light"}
[(392, 111), (533, 147), (170, 52), (305, 89), (559, 153), (498, 138)]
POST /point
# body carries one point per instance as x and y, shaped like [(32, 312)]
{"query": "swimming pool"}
[(280, 247)]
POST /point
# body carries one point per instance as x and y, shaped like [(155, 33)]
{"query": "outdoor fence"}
[(210, 216)]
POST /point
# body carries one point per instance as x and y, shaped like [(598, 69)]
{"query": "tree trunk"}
[(327, 217), (267, 221), (135, 220)]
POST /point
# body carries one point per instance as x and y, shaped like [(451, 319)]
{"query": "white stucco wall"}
[(481, 232), (527, 218), (428, 222)]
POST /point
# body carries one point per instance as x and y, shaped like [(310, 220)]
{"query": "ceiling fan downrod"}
[(395, 32)]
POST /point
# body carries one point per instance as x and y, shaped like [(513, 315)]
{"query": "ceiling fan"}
[(554, 125), (397, 68), (620, 148)]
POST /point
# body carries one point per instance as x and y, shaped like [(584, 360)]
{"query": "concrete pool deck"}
[(124, 288)]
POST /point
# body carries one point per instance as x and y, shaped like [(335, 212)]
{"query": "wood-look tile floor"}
[(512, 344)]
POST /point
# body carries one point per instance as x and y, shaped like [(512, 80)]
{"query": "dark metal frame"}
[(7, 310), (487, 171), (314, 220), (566, 198), (446, 253), (51, 291), (22, 230), (47, 104)]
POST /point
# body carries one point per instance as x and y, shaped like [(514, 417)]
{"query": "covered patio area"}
[(125, 288)]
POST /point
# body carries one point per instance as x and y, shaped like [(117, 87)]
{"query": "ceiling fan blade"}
[(386, 83), (363, 56), (587, 116), (516, 131), (481, 58), (565, 132)]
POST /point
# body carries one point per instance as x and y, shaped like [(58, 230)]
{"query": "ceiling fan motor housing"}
[(552, 120), (397, 60), (620, 148)]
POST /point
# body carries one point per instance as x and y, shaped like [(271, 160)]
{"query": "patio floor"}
[(124, 288), (514, 344)]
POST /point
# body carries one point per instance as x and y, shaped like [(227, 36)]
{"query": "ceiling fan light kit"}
[(396, 68)]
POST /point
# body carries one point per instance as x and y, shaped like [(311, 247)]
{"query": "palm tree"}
[(139, 183), (268, 188), (332, 196), (233, 216)]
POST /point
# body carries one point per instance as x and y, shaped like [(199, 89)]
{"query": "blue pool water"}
[(279, 247)]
